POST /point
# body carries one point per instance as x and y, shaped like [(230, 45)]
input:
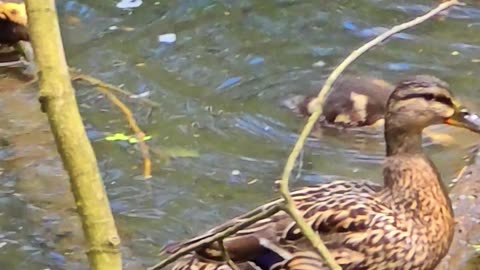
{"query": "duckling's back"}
[(357, 101)]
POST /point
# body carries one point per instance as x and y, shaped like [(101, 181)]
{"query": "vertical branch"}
[(57, 99)]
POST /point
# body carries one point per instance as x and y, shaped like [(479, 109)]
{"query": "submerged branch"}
[(139, 134), (76, 75)]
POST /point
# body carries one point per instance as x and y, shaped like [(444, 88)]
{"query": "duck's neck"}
[(400, 141), (409, 175)]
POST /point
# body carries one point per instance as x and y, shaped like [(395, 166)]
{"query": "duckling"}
[(405, 224), (13, 23), (355, 101), (15, 39)]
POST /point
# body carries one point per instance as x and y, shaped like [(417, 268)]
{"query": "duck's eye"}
[(445, 100), (429, 97)]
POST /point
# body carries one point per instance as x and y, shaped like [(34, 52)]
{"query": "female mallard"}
[(405, 224)]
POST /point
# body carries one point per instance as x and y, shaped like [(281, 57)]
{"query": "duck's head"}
[(417, 103), (423, 101)]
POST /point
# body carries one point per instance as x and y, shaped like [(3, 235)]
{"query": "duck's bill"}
[(463, 118)]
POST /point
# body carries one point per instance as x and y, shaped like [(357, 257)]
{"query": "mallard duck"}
[(13, 23), (355, 101), (405, 224)]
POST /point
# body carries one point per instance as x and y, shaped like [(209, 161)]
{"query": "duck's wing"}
[(335, 210), (310, 260), (298, 260), (192, 262)]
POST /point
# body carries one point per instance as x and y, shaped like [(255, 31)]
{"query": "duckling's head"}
[(423, 101), (14, 12)]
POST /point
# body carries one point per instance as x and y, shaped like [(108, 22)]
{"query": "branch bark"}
[(57, 99)]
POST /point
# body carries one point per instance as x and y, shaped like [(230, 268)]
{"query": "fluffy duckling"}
[(13, 23), (355, 101)]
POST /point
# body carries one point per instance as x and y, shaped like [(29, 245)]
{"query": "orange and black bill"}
[(463, 118)]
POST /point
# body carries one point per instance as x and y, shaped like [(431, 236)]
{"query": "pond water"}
[(219, 87)]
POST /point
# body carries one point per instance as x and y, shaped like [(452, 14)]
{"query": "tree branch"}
[(57, 99), (139, 134), (76, 75)]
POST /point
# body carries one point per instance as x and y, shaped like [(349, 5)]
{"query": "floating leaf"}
[(134, 140), (117, 137), (123, 137)]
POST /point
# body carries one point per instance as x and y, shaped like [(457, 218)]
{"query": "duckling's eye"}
[(428, 97)]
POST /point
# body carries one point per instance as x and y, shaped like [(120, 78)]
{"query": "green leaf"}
[(133, 139), (117, 137)]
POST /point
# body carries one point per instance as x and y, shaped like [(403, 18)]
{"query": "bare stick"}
[(226, 257), (218, 236), (77, 76), (107, 90), (139, 134), (284, 190)]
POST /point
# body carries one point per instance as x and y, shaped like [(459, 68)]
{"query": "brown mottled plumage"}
[(405, 224)]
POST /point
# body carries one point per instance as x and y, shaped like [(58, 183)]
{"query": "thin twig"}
[(226, 257), (107, 89), (139, 134), (218, 236), (284, 189), (77, 76)]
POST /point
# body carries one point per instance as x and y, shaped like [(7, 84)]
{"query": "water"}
[(219, 88)]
